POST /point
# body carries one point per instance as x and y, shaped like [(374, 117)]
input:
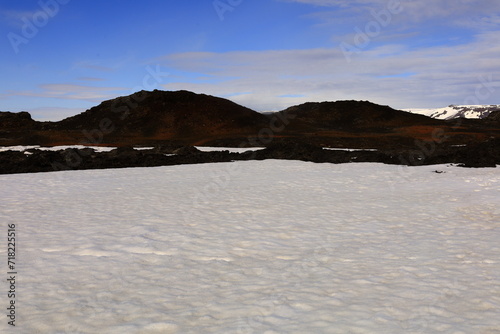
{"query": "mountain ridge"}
[(186, 118)]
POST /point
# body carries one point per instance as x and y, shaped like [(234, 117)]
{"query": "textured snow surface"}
[(256, 247)]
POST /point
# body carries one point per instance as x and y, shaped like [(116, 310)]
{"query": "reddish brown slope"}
[(364, 124), (154, 117)]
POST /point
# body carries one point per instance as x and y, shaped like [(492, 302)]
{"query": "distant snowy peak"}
[(454, 111)]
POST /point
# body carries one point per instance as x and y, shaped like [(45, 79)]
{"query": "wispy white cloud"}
[(53, 113), (90, 79), (390, 70), (15, 18), (76, 95), (460, 12), (71, 92), (389, 74)]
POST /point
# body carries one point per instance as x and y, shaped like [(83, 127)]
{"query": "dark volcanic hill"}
[(186, 118), (143, 118), (16, 120), (354, 115), (365, 124), (158, 116), (18, 128)]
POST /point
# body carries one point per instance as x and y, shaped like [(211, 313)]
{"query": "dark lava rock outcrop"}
[(35, 160)]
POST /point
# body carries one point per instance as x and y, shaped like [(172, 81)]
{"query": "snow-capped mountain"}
[(454, 111)]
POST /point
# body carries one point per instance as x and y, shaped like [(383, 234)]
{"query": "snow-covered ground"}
[(255, 247)]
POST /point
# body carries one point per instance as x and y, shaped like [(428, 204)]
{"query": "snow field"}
[(256, 247)]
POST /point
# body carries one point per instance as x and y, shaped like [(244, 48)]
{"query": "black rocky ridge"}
[(486, 154)]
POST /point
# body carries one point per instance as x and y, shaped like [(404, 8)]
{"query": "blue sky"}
[(61, 57)]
